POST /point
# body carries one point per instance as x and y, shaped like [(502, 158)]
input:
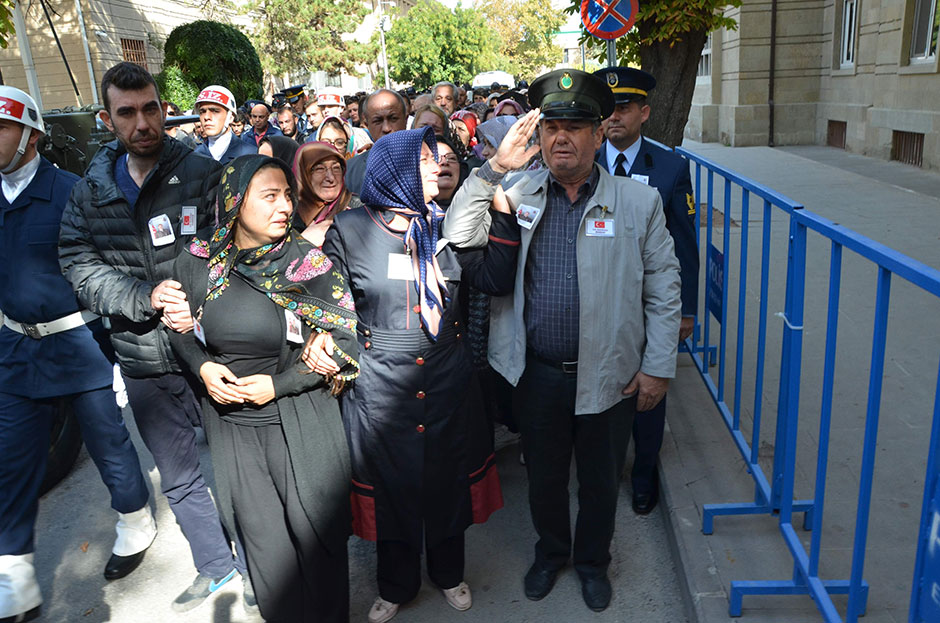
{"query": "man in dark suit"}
[(626, 153)]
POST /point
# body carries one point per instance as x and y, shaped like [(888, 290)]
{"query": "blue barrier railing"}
[(774, 492)]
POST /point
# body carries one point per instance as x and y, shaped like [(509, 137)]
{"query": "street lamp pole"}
[(384, 53)]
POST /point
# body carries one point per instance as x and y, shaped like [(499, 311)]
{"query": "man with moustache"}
[(626, 153), (588, 336), (119, 267), (216, 108), (383, 112), (260, 125)]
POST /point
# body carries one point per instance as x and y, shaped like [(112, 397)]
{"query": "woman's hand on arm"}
[(257, 389), (318, 354), (220, 383)]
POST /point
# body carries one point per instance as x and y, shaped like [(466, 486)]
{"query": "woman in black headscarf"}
[(283, 148), (258, 292), (422, 455)]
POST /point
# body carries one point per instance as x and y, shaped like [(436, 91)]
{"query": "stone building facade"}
[(857, 74)]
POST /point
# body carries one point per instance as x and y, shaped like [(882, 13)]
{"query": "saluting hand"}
[(649, 390), (512, 153), (220, 383)]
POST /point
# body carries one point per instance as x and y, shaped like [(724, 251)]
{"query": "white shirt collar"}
[(16, 182), (218, 145), (629, 153)]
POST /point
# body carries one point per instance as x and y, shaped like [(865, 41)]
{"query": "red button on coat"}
[(420, 361), (420, 395), (368, 345), (416, 309), (420, 428)]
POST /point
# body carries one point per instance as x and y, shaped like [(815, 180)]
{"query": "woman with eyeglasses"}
[(320, 170), (454, 170), (337, 132), (422, 454)]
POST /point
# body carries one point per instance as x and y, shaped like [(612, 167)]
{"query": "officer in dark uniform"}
[(297, 99), (52, 350), (626, 153)]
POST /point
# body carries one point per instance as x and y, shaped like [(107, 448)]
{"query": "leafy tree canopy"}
[(203, 53), (432, 43), (6, 22), (308, 35), (525, 29), (667, 41)]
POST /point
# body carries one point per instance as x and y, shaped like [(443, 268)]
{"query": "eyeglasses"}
[(447, 159), (338, 143), (320, 170)]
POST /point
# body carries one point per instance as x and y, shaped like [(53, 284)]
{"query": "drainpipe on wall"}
[(91, 69), (32, 81), (773, 64)]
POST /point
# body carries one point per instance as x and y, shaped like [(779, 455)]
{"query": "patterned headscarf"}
[(495, 129), (293, 272), (393, 182)]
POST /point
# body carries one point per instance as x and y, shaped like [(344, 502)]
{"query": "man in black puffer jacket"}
[(142, 199)]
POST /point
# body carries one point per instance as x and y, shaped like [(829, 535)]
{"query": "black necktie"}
[(619, 168)]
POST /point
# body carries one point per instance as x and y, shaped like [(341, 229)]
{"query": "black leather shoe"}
[(644, 503), (596, 592), (119, 566), (539, 581), (29, 615)]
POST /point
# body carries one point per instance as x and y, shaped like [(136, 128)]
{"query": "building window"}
[(705, 63), (334, 80), (924, 33), (907, 147), (134, 51), (849, 27)]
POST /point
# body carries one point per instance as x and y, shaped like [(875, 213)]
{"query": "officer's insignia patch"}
[(32, 114), (690, 200), (612, 79), (566, 81)]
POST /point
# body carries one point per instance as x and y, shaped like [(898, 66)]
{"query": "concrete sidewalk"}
[(76, 530), (892, 204)]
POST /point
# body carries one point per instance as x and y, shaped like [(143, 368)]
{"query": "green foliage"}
[(663, 21), (525, 29), (307, 35), (6, 22), (432, 43), (203, 53), (176, 87)]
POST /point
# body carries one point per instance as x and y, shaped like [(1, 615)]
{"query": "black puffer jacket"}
[(106, 252)]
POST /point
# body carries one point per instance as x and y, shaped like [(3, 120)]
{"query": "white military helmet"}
[(217, 95), (18, 106)]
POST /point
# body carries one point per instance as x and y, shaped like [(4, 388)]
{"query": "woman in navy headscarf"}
[(422, 453)]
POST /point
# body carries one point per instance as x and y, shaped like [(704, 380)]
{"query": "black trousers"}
[(648, 429), (399, 567), (295, 577), (551, 433), (166, 413)]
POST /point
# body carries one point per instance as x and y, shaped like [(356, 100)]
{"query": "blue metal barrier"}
[(774, 492)]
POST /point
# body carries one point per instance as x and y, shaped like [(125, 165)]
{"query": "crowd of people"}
[(359, 299)]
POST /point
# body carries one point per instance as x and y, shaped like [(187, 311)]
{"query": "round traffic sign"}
[(608, 19)]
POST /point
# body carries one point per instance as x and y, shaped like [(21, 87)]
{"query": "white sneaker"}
[(135, 532), (382, 611), (19, 592), (459, 597), (503, 437)]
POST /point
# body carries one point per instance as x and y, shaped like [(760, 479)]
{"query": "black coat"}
[(236, 148), (310, 417), (421, 446), (106, 252)]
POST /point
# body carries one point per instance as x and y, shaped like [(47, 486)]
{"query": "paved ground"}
[(895, 205), (76, 532)]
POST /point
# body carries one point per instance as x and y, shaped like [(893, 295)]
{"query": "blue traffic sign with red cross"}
[(608, 19)]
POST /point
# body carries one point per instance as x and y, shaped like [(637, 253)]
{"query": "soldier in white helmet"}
[(53, 352), (216, 109)]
